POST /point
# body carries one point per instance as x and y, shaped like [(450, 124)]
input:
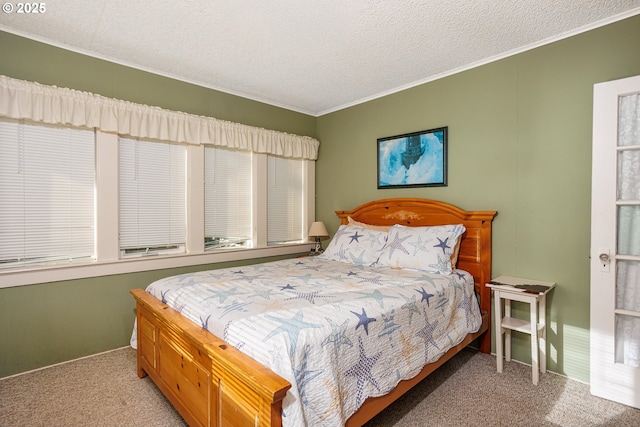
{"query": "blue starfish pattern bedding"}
[(338, 332)]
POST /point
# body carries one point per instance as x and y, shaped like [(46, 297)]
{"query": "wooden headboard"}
[(475, 247)]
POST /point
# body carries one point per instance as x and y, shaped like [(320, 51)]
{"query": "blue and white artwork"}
[(417, 159)]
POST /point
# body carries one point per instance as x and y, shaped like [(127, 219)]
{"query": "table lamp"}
[(317, 231)]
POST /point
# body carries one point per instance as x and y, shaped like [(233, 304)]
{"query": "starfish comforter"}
[(338, 332)]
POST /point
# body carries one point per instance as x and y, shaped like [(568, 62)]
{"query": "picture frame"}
[(417, 159)]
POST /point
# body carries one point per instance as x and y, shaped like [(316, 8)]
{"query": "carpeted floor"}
[(104, 390)]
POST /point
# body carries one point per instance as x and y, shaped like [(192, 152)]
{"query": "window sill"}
[(36, 275)]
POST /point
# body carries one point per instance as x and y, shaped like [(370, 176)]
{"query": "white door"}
[(615, 242)]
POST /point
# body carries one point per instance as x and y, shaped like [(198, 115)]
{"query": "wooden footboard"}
[(207, 381)]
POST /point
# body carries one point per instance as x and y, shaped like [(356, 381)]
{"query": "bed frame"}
[(213, 384)]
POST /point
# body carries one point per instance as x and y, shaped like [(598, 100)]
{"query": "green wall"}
[(519, 143)]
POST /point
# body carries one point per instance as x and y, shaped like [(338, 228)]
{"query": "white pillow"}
[(369, 226), (421, 248), (356, 245)]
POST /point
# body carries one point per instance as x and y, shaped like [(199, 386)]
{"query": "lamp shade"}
[(318, 230)]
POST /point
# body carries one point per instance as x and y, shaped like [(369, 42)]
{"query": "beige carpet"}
[(104, 390)]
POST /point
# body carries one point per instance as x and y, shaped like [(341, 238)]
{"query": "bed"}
[(228, 377)]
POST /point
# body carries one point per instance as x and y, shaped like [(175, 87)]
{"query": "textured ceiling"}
[(309, 56)]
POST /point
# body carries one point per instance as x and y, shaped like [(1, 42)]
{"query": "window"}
[(227, 198), (152, 197), (47, 181), (285, 199), (74, 202), (129, 180)]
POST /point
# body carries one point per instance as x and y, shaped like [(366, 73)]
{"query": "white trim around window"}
[(68, 272), (107, 224)]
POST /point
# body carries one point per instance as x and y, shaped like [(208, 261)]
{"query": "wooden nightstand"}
[(534, 293)]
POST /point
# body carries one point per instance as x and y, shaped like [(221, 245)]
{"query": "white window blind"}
[(285, 200), (152, 197), (47, 185), (227, 193)]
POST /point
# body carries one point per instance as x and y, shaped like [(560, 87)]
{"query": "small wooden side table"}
[(534, 293)]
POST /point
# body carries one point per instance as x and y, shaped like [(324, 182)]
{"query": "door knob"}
[(604, 257)]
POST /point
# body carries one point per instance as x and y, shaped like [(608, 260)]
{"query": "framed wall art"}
[(417, 159)]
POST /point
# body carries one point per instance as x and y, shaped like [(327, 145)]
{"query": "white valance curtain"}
[(20, 99)]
